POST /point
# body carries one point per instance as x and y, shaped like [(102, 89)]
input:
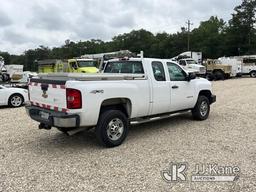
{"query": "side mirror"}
[(191, 76)]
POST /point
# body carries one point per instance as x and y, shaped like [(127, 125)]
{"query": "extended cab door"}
[(160, 101), (182, 94)]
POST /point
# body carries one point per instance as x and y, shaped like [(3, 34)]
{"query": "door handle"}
[(175, 87)]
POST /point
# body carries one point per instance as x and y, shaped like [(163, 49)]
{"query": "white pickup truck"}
[(131, 91), (191, 65)]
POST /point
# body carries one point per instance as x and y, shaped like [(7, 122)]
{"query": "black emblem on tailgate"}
[(44, 88)]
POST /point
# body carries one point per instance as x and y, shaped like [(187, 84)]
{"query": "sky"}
[(27, 24)]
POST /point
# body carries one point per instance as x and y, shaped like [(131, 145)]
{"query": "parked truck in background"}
[(130, 91), (78, 65), (197, 56), (216, 70), (241, 65), (191, 64), (191, 61), (10, 73), (102, 58)]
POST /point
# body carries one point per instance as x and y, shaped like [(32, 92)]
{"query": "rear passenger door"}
[(181, 91), (160, 101)]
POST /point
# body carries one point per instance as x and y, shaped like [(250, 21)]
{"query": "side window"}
[(182, 62), (73, 65), (176, 73), (158, 70), (132, 67)]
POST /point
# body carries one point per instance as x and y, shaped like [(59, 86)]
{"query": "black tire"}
[(18, 97), (103, 132), (253, 74), (219, 75), (209, 77), (227, 76), (199, 112), (5, 77)]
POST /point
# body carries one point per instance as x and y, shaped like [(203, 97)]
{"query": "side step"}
[(156, 118)]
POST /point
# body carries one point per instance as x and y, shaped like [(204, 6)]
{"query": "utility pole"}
[(189, 25)]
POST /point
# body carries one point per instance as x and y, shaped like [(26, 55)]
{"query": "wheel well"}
[(216, 70), (122, 104), (252, 71), (206, 93)]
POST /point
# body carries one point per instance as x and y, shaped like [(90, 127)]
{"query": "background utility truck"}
[(69, 66), (144, 90), (102, 58), (10, 72), (216, 70), (241, 65)]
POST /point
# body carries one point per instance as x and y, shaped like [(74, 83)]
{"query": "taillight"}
[(74, 99), (28, 94), (29, 90)]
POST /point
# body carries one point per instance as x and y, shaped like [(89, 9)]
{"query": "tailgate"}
[(48, 94)]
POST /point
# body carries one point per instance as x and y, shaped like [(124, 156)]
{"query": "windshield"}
[(191, 62), (134, 67), (86, 63)]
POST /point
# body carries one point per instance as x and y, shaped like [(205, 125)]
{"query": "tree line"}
[(214, 37)]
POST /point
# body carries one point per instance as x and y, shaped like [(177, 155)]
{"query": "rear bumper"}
[(52, 118), (213, 99)]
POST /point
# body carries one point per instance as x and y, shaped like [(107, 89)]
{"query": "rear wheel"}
[(227, 76), (202, 109), (219, 75), (253, 74), (15, 100), (209, 77), (112, 128)]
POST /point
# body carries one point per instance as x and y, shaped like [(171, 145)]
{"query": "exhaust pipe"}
[(44, 126)]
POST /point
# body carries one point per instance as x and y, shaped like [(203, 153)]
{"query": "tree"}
[(208, 37), (241, 37), (6, 56)]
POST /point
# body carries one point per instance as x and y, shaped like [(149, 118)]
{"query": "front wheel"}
[(253, 74), (112, 128), (219, 75), (202, 109), (15, 100)]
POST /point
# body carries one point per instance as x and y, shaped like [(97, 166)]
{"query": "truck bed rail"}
[(91, 77)]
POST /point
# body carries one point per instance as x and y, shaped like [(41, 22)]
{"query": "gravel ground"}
[(40, 160)]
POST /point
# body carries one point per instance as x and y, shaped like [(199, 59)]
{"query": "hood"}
[(197, 66)]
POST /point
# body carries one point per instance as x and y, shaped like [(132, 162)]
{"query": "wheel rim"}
[(115, 129), (204, 108), (254, 74), (16, 101)]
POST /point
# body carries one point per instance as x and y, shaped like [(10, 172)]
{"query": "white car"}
[(13, 97)]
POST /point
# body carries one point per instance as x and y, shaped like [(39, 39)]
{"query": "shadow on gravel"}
[(87, 140), (7, 107)]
